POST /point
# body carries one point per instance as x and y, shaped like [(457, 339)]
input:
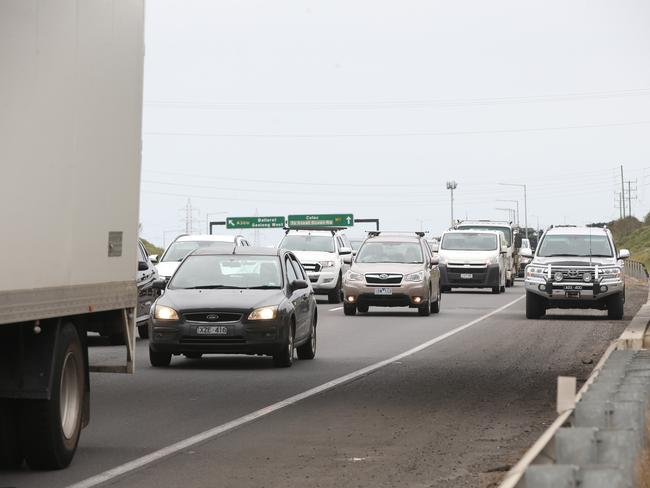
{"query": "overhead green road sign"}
[(313, 220), (254, 222)]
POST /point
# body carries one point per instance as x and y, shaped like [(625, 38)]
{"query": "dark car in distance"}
[(241, 300)]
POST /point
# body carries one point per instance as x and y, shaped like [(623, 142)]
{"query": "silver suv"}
[(575, 267)]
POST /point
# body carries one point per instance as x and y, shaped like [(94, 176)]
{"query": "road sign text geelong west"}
[(255, 222), (330, 220)]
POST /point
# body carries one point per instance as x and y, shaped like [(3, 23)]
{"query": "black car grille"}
[(311, 266), (384, 279), (213, 317)]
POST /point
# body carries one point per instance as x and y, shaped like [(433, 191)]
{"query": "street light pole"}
[(515, 202), (452, 185), (525, 202)]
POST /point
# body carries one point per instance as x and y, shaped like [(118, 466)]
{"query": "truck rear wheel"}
[(10, 453), (49, 429)]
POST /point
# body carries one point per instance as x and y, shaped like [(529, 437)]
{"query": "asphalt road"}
[(455, 414)]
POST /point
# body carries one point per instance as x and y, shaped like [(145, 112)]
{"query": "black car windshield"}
[(507, 231), (390, 252), (308, 243), (575, 245), (474, 241), (179, 249), (228, 271)]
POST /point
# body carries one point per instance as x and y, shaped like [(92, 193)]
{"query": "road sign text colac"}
[(328, 220)]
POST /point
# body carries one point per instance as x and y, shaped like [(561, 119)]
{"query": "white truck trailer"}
[(70, 146)]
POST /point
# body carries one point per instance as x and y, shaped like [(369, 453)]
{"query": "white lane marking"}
[(216, 431), (335, 309)]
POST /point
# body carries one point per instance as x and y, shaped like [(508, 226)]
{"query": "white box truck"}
[(70, 147)]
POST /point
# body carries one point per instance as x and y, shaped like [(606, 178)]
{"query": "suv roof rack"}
[(375, 233)]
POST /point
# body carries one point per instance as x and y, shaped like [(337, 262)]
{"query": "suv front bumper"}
[(323, 280), (574, 291), (407, 294)]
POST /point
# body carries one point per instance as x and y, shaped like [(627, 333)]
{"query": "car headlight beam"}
[(264, 313), (165, 313)]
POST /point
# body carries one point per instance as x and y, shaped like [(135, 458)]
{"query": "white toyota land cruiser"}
[(321, 254), (575, 267)]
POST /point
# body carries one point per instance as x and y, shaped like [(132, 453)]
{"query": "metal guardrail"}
[(635, 269)]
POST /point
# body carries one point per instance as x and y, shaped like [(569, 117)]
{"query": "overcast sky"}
[(371, 106)]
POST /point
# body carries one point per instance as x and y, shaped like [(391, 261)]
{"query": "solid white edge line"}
[(335, 309), (214, 432)]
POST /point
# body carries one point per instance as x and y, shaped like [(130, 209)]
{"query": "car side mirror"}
[(347, 259), (623, 254), (153, 258), (435, 261), (143, 266), (526, 253), (299, 285), (345, 250), (159, 284)]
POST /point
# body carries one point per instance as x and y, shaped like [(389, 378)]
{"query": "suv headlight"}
[(535, 271), (614, 272), (165, 313), (419, 276), (352, 276), (326, 264), (264, 313)]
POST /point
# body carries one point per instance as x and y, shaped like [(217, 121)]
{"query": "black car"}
[(241, 300)]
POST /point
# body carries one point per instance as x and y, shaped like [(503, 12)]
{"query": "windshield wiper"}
[(263, 287), (564, 256)]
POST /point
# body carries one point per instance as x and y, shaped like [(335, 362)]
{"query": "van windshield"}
[(469, 242), (507, 231), (179, 249), (308, 243)]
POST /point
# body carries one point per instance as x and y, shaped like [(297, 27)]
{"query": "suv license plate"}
[(572, 287), (212, 330), (383, 291), (466, 276)]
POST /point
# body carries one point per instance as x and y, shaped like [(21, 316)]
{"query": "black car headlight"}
[(264, 313)]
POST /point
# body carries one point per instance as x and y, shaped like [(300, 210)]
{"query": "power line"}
[(393, 134), (391, 104)]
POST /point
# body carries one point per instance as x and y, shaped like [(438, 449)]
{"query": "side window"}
[(340, 242), (298, 269), (142, 253), (291, 273)]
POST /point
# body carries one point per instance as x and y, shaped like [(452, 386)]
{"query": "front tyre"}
[(308, 349), (334, 296), (143, 331), (435, 306), (615, 306), (363, 307), (349, 308), (159, 359), (283, 358), (535, 306), (50, 429)]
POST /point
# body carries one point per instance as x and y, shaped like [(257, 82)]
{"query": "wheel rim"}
[(70, 396), (313, 338)]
